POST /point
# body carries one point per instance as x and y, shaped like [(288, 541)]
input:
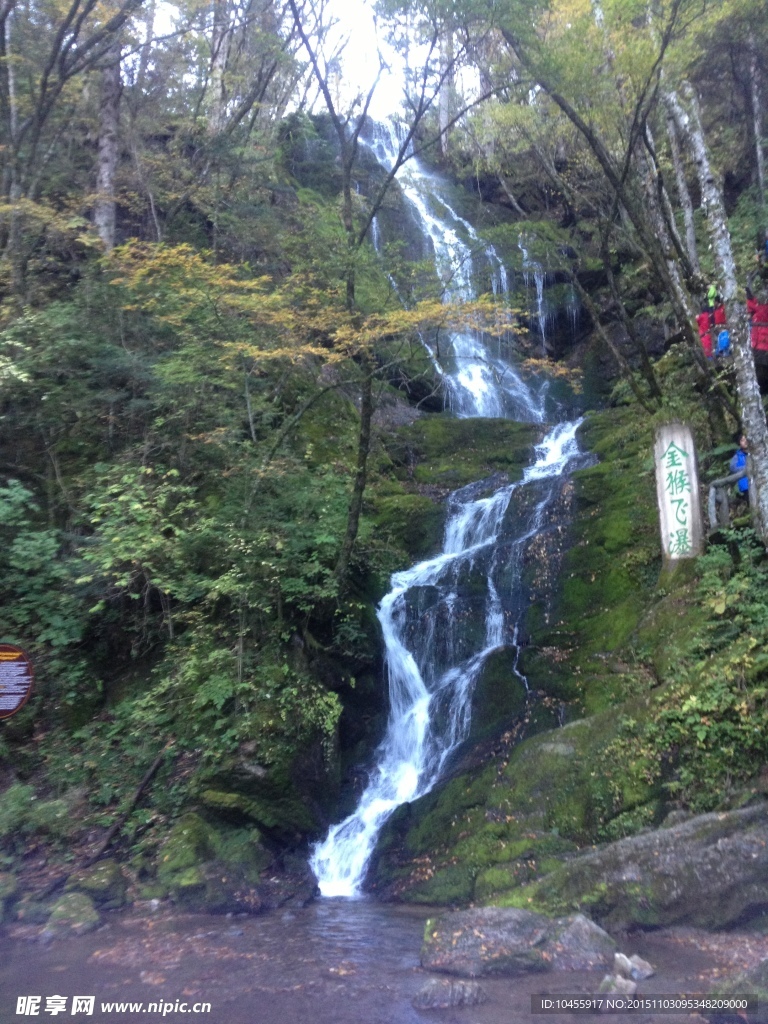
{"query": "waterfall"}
[(432, 660), (533, 268)]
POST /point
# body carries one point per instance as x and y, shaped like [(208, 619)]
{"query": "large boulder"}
[(710, 871), (73, 914), (222, 870), (499, 940)]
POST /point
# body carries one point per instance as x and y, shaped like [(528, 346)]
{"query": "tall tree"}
[(104, 208)]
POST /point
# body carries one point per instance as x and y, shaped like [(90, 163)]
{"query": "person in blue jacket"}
[(739, 461)]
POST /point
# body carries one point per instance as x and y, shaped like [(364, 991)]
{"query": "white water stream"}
[(433, 658)]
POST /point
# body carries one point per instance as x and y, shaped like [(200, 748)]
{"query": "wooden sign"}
[(677, 490), (16, 679)]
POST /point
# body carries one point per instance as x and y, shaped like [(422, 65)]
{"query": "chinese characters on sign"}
[(15, 679), (677, 490)]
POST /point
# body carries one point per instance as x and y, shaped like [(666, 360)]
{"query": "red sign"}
[(15, 680)]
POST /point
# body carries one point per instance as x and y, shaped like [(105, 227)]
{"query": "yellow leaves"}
[(45, 217), (251, 321)]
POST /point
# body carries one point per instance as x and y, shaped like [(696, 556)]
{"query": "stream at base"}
[(333, 962)]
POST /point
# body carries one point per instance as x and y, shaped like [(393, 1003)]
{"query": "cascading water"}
[(534, 269), (433, 658), (479, 382)]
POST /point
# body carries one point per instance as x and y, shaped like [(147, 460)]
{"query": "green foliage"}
[(713, 718), (23, 814)]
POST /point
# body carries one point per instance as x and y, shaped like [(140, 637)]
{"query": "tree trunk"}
[(646, 367), (683, 194), (655, 219), (634, 207), (747, 389), (220, 44), (445, 97), (109, 113), (754, 95), (656, 180), (361, 474)]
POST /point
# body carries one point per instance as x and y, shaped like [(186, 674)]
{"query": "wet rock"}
[(500, 940), (441, 994), (104, 882), (618, 985), (578, 944), (73, 914), (295, 886), (710, 871), (633, 967)]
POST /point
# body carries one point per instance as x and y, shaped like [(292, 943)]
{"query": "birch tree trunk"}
[(658, 225), (656, 181), (109, 114), (747, 389), (683, 194), (220, 46), (757, 129)]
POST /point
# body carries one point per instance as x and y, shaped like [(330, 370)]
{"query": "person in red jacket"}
[(704, 322), (757, 307)]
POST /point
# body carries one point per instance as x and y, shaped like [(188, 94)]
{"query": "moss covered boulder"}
[(214, 870), (73, 914), (710, 871), (284, 814), (104, 882)]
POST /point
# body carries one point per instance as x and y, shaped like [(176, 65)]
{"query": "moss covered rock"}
[(73, 914), (282, 814), (753, 982), (213, 870), (450, 453), (710, 871), (190, 843), (104, 882), (500, 694)]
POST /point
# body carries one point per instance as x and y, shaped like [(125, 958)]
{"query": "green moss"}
[(448, 886), (104, 882), (244, 848), (500, 695), (450, 453), (190, 842), (73, 913), (411, 521), (281, 812)]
